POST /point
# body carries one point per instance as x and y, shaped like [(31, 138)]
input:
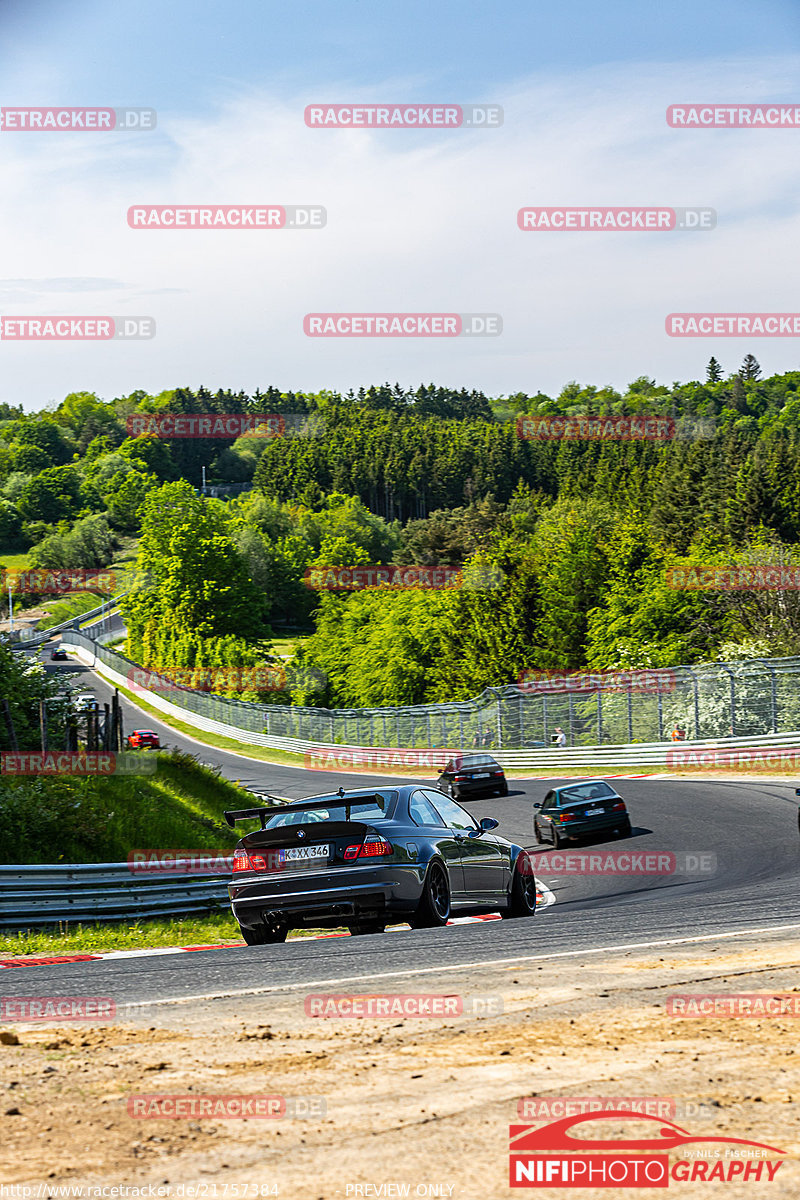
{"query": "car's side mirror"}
[(488, 823), (537, 804)]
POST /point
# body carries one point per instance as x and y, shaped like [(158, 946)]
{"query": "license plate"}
[(303, 853), (481, 775), (594, 812)]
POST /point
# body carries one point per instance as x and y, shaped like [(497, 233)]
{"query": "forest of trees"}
[(579, 534)]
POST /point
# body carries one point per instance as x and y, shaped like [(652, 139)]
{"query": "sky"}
[(417, 220)]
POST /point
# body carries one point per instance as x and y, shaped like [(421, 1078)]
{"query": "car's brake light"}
[(566, 817), (241, 861), (619, 807), (460, 778), (372, 847)]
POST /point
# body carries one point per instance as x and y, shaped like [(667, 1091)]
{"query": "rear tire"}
[(359, 927), (537, 833), (434, 907), (624, 830), (263, 935), (523, 891), (558, 841), (503, 791)]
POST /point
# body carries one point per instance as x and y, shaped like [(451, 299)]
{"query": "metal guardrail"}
[(72, 623), (32, 896)]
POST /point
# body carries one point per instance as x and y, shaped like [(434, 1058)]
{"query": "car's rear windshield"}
[(474, 760), (585, 791), (367, 808)]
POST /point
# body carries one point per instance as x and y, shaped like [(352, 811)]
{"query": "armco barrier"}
[(72, 623), (424, 762), (47, 895)]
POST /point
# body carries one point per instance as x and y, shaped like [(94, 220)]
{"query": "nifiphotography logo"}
[(580, 1161)]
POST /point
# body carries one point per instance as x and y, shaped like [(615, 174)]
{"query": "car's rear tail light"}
[(496, 772), (241, 861), (372, 847), (460, 778), (619, 807), (566, 817)]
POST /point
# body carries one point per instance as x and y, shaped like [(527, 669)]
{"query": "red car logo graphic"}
[(526, 1139)]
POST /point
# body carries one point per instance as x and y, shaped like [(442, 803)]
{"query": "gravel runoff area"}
[(399, 1105)]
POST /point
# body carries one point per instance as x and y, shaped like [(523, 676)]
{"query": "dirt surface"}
[(419, 1102)]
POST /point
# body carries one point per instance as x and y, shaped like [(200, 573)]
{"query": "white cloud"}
[(416, 222)]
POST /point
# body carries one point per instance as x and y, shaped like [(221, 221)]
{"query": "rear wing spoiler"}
[(245, 814), (248, 814)]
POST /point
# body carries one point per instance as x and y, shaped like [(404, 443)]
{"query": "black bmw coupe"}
[(367, 858)]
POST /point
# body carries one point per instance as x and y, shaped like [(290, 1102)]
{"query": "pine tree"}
[(713, 371), (750, 368)]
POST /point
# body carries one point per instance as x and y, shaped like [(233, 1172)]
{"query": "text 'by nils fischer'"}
[(628, 219)]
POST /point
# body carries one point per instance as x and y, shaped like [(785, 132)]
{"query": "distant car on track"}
[(143, 739), (367, 858), (58, 655), (472, 775), (86, 702), (579, 809)]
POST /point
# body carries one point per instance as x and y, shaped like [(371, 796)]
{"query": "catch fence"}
[(755, 698)]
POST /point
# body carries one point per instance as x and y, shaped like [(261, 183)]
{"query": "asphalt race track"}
[(751, 828)]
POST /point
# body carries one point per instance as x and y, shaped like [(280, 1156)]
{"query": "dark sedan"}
[(365, 859), (472, 775), (580, 809), (58, 655)]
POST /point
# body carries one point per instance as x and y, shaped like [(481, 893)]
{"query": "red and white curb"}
[(544, 899)]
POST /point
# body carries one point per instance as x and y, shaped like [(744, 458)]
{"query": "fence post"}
[(571, 718), (774, 693), (599, 719), (630, 713), (499, 725), (732, 683)]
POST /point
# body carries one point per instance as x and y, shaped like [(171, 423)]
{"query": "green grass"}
[(71, 819), (286, 647), (217, 928), (122, 935), (14, 562), (71, 606)]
